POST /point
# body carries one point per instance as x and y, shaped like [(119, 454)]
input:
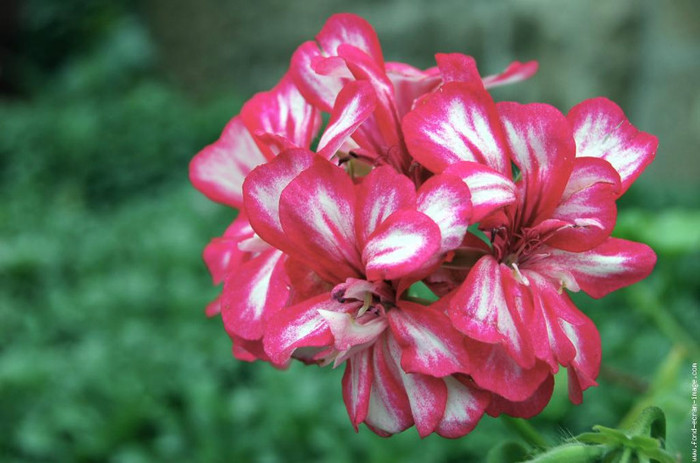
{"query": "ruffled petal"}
[(317, 211), (347, 28), (429, 343), (318, 89), (464, 408), (457, 123), (389, 407), (354, 104), (402, 244), (299, 326), (410, 83), (446, 200), (588, 205), (602, 130), (253, 293), (219, 169), (357, 385), (382, 192), (544, 150), (515, 72), (500, 374), (427, 395), (490, 307), (284, 112), (612, 265), (488, 189), (527, 408), (222, 253), (262, 190)]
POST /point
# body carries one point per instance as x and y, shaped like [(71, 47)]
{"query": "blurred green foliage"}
[(105, 354)]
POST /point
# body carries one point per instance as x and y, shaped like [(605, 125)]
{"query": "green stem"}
[(525, 430)]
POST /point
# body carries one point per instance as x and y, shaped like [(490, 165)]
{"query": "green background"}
[(105, 353)]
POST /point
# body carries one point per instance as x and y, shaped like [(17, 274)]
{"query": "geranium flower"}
[(353, 250), (555, 236), (347, 49)]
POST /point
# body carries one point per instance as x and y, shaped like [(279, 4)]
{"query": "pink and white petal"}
[(253, 293), (465, 407), (282, 111), (299, 326), (602, 130), (500, 374), (382, 192), (456, 67), (219, 169), (222, 254), (588, 205), (320, 90), (487, 307), (354, 104), (402, 244), (389, 406), (446, 199), (363, 68), (515, 72), (348, 332), (527, 408), (584, 369), (429, 343), (489, 190), (347, 28), (457, 123), (357, 385), (410, 83), (614, 264), (427, 395), (543, 148), (317, 213), (262, 190)]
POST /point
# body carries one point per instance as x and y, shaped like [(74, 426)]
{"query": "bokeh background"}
[(105, 353)]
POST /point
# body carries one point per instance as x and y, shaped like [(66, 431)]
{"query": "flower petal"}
[(429, 343), (446, 200), (222, 254), (527, 408), (488, 189), (347, 28), (602, 130), (219, 169), (500, 374), (299, 326), (515, 72), (456, 67), (319, 90), (612, 265), (543, 149), (427, 395), (389, 406), (354, 104), (465, 407), (357, 385), (457, 123), (402, 244), (262, 190), (282, 111), (317, 214), (490, 307), (382, 192), (254, 293), (588, 204), (410, 83)]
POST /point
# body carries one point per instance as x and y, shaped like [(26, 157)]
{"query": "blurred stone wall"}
[(645, 55)]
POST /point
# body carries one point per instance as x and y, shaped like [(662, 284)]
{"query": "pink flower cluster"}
[(331, 235)]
